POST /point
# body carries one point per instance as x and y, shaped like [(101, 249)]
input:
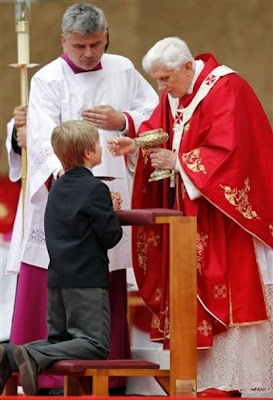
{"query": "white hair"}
[(170, 52)]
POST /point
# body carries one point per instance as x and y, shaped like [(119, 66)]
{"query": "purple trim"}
[(78, 70)]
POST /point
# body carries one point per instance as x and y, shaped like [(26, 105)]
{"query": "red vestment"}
[(226, 151)]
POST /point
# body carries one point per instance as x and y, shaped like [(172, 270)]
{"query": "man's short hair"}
[(83, 18)]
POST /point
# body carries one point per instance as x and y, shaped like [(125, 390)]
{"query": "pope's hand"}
[(163, 158), (118, 146), (105, 117)]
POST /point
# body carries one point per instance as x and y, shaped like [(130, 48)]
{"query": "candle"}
[(22, 11), (22, 19)]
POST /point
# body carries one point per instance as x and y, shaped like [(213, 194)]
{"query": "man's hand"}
[(21, 136), (118, 146), (163, 158), (105, 117), (20, 116)]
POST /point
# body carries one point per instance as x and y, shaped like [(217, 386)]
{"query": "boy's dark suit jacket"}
[(80, 225)]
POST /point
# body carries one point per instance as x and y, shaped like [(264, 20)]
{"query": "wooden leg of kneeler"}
[(100, 383), (77, 386), (164, 382), (71, 387), (11, 386), (183, 307)]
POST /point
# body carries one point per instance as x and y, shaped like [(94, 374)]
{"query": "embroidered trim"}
[(157, 294), (143, 243), (220, 291), (186, 127), (41, 158), (205, 328), (155, 324), (193, 161), (239, 199), (210, 79), (37, 236), (166, 321), (202, 242)]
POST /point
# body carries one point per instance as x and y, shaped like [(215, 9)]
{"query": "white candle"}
[(22, 20), (22, 29)]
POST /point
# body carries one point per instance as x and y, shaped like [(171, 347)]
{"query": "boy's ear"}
[(87, 153)]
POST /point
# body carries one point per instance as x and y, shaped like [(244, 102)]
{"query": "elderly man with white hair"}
[(220, 151)]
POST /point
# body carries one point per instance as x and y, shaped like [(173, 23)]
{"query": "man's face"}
[(175, 82), (85, 51)]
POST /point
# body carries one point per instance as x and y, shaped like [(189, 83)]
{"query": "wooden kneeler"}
[(183, 290), (180, 379), (77, 374)]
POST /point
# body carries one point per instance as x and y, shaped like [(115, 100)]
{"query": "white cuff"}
[(191, 189), (125, 130)]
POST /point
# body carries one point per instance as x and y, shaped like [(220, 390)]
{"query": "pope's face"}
[(85, 51), (175, 82)]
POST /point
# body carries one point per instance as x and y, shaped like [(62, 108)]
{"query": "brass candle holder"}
[(154, 138)]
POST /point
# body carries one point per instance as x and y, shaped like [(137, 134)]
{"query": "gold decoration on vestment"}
[(143, 242), (142, 249), (202, 242), (186, 127), (166, 320), (155, 323), (3, 211), (239, 199), (158, 295), (193, 161)]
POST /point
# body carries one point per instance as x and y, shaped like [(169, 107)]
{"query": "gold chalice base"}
[(160, 173)]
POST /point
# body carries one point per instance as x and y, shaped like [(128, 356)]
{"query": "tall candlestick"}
[(22, 21)]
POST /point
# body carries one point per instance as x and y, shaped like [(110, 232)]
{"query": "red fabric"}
[(48, 182), (232, 142), (131, 125), (9, 195), (131, 130)]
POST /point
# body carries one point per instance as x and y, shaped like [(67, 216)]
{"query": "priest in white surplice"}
[(106, 89)]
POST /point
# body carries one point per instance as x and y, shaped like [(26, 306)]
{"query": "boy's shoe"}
[(5, 370), (28, 369)]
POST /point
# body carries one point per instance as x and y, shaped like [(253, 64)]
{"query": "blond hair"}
[(70, 139)]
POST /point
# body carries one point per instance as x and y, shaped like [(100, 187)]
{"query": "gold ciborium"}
[(154, 138)]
